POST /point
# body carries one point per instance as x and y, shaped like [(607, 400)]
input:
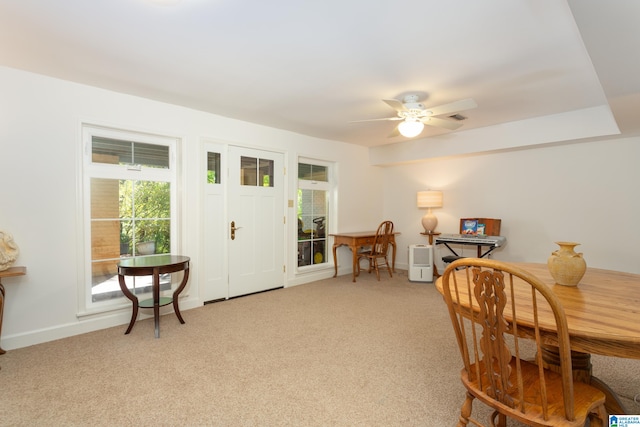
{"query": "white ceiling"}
[(311, 67)]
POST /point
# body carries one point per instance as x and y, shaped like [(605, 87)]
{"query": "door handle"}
[(233, 230)]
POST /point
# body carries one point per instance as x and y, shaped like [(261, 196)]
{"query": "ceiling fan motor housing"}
[(410, 103), (414, 106), (410, 99)]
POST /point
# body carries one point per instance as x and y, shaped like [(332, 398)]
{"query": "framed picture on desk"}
[(469, 226), (480, 226)]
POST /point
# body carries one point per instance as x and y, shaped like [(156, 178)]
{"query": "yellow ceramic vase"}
[(565, 265)]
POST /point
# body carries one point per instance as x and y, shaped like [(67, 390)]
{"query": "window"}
[(314, 194), (130, 206)]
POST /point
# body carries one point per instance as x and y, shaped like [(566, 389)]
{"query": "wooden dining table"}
[(603, 315)]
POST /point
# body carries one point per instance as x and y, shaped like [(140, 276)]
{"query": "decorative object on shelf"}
[(470, 226), (565, 265), (9, 250), (429, 199)]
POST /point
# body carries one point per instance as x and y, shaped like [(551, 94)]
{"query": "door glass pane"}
[(256, 172), (248, 171), (266, 173), (213, 168)]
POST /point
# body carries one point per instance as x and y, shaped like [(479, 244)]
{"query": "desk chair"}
[(377, 254), (486, 300), (448, 259)]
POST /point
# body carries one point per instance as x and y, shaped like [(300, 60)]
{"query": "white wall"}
[(581, 192), (541, 194), (40, 122)]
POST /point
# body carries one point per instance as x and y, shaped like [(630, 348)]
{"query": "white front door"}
[(244, 237), (255, 220)]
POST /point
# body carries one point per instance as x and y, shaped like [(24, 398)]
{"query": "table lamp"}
[(429, 199)]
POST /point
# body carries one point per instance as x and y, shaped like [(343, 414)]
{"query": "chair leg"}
[(465, 411), (599, 418), (502, 419), (360, 265)]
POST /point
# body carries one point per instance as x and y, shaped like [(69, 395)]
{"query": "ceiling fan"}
[(415, 115)]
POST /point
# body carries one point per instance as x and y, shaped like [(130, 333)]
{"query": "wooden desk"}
[(10, 272), (154, 265), (355, 241), (603, 318)]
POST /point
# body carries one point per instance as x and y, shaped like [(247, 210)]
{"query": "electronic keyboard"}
[(471, 239)]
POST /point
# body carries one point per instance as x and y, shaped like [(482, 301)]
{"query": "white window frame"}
[(331, 188), (88, 170)]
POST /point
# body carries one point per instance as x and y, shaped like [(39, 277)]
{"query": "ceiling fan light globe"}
[(410, 128)]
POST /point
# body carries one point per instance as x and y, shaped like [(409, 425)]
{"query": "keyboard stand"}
[(478, 244), (491, 243)]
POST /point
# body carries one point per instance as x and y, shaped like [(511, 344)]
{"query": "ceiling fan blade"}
[(394, 133), (395, 104), (441, 123), (453, 107), (377, 120)]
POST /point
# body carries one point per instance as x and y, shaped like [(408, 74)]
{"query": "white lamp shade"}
[(429, 199), (410, 128)]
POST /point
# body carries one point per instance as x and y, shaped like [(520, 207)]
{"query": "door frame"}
[(211, 144)]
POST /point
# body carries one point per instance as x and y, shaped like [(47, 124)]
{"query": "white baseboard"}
[(85, 325), (123, 316), (310, 276)]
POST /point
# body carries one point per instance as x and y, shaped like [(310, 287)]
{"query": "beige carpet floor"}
[(328, 353)]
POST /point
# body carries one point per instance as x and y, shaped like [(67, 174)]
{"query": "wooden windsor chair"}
[(488, 301), (377, 255)]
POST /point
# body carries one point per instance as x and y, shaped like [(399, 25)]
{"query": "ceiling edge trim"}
[(569, 126)]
